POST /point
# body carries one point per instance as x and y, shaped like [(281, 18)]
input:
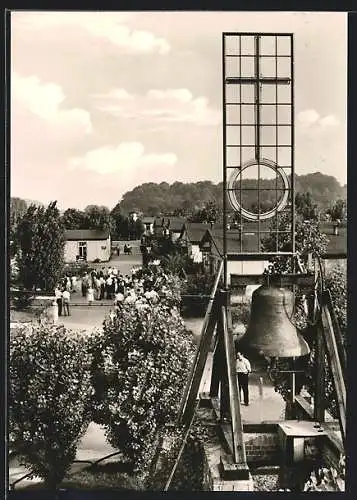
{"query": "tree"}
[(18, 207), (209, 213), (308, 238), (119, 222), (98, 217), (141, 361), (338, 211), (135, 229), (41, 242), (49, 398), (75, 219), (305, 206)]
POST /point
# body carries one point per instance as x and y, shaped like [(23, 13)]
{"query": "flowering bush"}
[(49, 398), (140, 365)]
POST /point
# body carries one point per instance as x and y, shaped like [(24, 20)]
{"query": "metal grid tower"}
[(258, 143)]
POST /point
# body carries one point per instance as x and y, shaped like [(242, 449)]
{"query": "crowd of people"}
[(102, 284), (109, 284)]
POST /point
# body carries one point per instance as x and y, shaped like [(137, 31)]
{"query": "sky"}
[(104, 101)]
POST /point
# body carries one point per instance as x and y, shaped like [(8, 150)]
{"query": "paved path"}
[(265, 403)]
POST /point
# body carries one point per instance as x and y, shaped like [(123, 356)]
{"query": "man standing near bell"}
[(243, 369)]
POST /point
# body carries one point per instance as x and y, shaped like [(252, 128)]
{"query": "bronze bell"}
[(271, 330)]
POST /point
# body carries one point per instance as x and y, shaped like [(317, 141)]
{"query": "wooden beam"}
[(319, 399), (193, 384), (338, 334), (225, 410), (335, 365), (216, 362), (239, 455)]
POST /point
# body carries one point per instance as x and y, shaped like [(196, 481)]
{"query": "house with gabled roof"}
[(191, 236), (87, 245)]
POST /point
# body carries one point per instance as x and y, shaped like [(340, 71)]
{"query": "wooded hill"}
[(181, 198)]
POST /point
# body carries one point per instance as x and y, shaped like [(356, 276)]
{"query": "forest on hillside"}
[(184, 198), (317, 196)]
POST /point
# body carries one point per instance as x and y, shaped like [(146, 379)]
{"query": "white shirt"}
[(66, 295), (243, 365), (58, 294)]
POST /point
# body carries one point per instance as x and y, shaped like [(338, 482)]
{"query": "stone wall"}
[(262, 447), (212, 480)]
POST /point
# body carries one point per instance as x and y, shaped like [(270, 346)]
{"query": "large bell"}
[(271, 330)]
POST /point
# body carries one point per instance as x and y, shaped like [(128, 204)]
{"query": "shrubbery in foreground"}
[(140, 366), (49, 398)]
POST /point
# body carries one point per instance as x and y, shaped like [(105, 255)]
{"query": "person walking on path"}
[(59, 300), (90, 295), (243, 368), (66, 300)]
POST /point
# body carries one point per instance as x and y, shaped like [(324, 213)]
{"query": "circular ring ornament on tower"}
[(270, 213)]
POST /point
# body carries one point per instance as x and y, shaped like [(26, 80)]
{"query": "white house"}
[(87, 245)]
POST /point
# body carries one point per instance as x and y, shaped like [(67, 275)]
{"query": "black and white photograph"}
[(177, 251)]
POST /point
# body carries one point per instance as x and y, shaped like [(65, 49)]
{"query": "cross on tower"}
[(257, 81)]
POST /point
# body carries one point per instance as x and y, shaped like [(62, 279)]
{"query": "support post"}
[(217, 358), (239, 456), (319, 399), (225, 413)]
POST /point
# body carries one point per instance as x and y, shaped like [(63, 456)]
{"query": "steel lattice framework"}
[(258, 141)]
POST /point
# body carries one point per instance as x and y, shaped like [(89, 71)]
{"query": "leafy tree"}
[(140, 364), (18, 207), (41, 242), (308, 238), (135, 229), (305, 207), (98, 217), (209, 213), (49, 398), (75, 219), (119, 222), (338, 211)]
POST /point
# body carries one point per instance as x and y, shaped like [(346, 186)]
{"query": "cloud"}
[(44, 100), (125, 159), (311, 118), (106, 25), (171, 105)]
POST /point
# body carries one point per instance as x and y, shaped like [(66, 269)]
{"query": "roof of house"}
[(86, 234), (336, 247), (195, 231), (176, 223), (249, 242)]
